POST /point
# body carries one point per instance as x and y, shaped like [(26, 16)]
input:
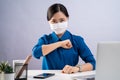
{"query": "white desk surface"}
[(58, 75)]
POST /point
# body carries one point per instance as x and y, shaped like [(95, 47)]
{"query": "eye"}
[(53, 21), (62, 20)]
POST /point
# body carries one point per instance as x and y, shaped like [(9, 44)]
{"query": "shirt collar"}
[(66, 35)]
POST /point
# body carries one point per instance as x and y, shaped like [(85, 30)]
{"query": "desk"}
[(58, 74)]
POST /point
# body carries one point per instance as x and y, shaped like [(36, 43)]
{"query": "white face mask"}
[(59, 28)]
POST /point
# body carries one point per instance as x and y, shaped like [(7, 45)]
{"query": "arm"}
[(86, 56), (46, 49), (42, 49), (73, 69), (85, 67)]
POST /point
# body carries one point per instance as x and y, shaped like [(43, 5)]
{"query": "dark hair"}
[(56, 8)]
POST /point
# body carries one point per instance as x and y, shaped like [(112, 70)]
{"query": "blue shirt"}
[(60, 57)]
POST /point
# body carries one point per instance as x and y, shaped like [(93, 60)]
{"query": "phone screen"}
[(44, 75)]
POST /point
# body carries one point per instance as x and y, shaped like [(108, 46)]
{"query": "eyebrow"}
[(59, 19), (62, 18)]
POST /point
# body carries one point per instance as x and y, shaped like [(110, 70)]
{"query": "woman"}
[(61, 49)]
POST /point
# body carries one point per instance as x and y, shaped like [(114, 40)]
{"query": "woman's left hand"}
[(70, 69)]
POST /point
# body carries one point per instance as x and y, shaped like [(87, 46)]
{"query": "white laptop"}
[(107, 63)]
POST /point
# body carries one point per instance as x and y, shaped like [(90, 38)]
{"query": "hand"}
[(66, 44), (70, 69)]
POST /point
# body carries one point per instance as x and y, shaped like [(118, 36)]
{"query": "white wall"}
[(22, 22)]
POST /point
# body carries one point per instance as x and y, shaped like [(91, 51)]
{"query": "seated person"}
[(61, 49)]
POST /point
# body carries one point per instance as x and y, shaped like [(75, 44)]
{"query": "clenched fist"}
[(66, 44)]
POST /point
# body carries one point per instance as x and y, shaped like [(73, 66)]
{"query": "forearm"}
[(86, 67), (46, 49), (79, 68)]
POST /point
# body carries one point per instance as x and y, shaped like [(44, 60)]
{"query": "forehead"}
[(58, 15)]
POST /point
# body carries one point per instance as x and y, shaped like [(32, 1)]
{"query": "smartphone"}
[(44, 75)]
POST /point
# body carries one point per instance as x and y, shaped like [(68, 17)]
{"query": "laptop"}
[(108, 62)]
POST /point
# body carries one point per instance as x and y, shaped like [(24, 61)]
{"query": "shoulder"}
[(76, 37), (78, 40), (46, 37)]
